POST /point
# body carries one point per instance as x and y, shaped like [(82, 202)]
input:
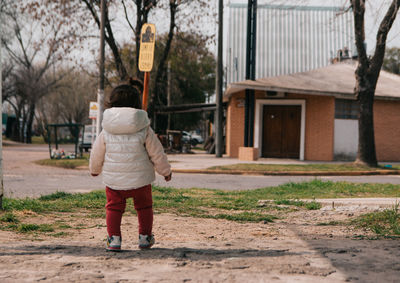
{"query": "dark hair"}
[(126, 95)]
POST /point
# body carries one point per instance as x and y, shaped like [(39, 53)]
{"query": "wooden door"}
[(281, 131)]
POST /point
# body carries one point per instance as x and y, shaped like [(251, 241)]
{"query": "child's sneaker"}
[(146, 241), (114, 243)]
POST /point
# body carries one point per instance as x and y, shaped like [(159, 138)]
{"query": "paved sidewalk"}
[(200, 162)]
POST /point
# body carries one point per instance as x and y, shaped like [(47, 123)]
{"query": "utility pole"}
[(169, 93), (1, 137), (219, 116), (250, 72), (100, 93)]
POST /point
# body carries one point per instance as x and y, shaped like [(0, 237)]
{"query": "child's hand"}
[(168, 178)]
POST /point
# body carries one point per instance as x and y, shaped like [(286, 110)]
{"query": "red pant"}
[(115, 207)]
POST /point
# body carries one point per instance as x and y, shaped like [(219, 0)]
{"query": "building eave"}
[(336, 80)]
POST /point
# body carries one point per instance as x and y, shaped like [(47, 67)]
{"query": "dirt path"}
[(204, 250), (295, 249)]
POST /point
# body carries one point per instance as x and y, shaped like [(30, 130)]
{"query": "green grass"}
[(299, 167), (64, 163), (38, 140), (330, 223), (383, 223), (26, 228), (242, 206), (246, 217), (313, 205), (9, 217), (58, 202), (169, 199)]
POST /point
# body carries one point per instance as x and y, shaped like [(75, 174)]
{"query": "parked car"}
[(86, 142), (192, 138), (197, 138)]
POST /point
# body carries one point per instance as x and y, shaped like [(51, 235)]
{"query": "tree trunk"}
[(109, 38), (139, 24), (366, 137), (367, 75), (29, 123)]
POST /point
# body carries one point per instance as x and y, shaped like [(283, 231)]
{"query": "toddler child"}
[(126, 152)]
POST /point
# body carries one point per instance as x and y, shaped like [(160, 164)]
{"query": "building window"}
[(346, 109)]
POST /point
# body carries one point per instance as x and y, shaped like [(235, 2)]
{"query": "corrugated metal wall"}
[(290, 39)]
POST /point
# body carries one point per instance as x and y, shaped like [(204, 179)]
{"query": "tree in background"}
[(69, 102), (192, 75), (391, 62), (192, 78), (36, 42), (367, 74), (178, 17), (41, 34)]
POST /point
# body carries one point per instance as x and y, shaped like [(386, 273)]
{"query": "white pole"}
[(1, 136), (100, 93), (169, 93), (219, 82), (93, 130)]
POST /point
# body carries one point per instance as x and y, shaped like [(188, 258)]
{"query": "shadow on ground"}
[(155, 253), (359, 259)]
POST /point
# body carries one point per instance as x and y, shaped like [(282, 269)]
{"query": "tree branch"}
[(173, 8), (50, 53), (126, 16), (12, 53), (123, 74), (18, 35), (384, 28), (359, 12), (93, 12)]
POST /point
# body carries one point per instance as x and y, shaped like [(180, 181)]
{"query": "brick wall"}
[(235, 124), (319, 125), (320, 118), (387, 130)]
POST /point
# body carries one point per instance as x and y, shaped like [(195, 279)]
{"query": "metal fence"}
[(290, 39)]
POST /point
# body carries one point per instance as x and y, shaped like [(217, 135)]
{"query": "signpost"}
[(93, 110), (146, 57)]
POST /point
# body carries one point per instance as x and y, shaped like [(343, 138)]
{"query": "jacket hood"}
[(124, 120)]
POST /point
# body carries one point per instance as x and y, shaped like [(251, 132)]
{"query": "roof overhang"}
[(336, 80)]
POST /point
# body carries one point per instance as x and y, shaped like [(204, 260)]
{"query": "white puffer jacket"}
[(127, 150)]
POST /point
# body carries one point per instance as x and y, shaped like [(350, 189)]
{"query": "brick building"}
[(313, 115)]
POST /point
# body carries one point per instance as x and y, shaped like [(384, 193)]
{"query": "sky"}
[(374, 13)]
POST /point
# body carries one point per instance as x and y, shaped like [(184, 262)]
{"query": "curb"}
[(279, 173), (288, 173)]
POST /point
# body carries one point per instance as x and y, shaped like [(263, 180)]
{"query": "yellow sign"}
[(147, 44), (93, 109)]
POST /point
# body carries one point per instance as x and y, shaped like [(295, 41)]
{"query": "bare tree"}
[(367, 74), (94, 8), (180, 12), (143, 8), (178, 18), (173, 5), (69, 102), (36, 43)]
